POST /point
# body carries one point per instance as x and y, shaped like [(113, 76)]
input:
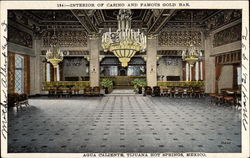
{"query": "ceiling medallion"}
[(125, 42)]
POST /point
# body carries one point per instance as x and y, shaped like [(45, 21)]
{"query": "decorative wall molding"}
[(222, 18), (229, 35), (172, 60), (228, 57), (169, 52), (179, 38), (70, 53), (19, 37), (66, 38), (111, 54), (115, 61)]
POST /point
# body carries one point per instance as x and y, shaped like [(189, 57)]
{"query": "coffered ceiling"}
[(95, 21)]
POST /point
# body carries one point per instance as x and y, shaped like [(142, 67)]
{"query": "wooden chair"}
[(156, 91), (181, 92), (88, 91), (197, 93), (212, 98), (185, 93), (96, 91), (148, 90), (164, 91), (12, 99), (202, 92), (219, 99), (169, 93), (23, 99), (229, 100), (190, 92)]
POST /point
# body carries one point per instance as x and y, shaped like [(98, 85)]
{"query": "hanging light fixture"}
[(125, 42), (192, 54), (54, 55)]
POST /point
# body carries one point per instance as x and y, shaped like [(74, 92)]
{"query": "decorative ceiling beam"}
[(211, 16), (83, 18), (161, 20)]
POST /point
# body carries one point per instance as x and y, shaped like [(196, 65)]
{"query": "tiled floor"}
[(124, 124)]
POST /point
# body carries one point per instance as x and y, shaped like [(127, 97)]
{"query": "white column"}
[(48, 72), (197, 70), (190, 72), (94, 70), (36, 77), (209, 65), (201, 75), (58, 73), (151, 61), (187, 72)]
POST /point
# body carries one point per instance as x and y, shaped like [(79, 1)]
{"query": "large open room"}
[(128, 80)]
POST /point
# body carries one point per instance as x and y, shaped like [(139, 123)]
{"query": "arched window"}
[(19, 74)]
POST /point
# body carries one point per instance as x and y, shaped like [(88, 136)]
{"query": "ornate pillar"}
[(201, 71), (190, 72), (94, 70), (36, 77), (152, 60), (197, 71), (48, 72), (58, 73), (187, 71), (210, 66)]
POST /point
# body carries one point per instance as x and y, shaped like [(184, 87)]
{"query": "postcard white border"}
[(5, 5)]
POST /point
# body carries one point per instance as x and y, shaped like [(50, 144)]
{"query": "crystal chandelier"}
[(53, 54), (193, 53), (125, 42)]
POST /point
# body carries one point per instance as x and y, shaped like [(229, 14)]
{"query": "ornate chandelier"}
[(53, 54), (192, 54), (125, 42)]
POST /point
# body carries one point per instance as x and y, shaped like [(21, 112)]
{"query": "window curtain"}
[(183, 71), (27, 74), (11, 72), (218, 68)]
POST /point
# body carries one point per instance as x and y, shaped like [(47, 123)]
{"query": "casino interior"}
[(140, 80)]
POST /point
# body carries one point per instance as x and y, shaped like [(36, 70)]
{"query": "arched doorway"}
[(123, 72)]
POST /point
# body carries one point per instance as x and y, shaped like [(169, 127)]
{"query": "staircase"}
[(122, 92), (123, 87)]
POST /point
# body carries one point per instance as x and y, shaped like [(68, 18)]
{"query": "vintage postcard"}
[(124, 79)]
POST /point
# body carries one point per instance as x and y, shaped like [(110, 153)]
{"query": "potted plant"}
[(138, 84), (106, 83)]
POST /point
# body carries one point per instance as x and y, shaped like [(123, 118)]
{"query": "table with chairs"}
[(227, 97), (69, 88), (182, 89), (182, 92)]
